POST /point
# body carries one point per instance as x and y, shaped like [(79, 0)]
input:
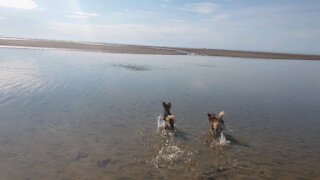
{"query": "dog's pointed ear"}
[(169, 104), (164, 104)]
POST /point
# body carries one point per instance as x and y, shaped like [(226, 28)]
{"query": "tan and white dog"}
[(167, 116), (217, 124)]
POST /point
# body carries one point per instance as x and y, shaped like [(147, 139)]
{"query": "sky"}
[(264, 25)]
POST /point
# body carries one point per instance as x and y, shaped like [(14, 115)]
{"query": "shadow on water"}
[(200, 65), (235, 141), (132, 67), (182, 135), (204, 65)]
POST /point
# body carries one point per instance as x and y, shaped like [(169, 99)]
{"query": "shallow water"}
[(80, 115)]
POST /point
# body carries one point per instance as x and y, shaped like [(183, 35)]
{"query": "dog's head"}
[(212, 119), (216, 123), (166, 106)]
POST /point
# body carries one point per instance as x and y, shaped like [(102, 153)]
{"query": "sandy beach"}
[(137, 49)]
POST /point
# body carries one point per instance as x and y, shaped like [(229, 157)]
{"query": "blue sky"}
[(270, 25)]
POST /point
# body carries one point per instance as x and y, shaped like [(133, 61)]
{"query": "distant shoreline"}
[(136, 49)]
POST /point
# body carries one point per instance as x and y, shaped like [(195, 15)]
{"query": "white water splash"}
[(169, 153), (160, 123), (223, 140), (173, 155)]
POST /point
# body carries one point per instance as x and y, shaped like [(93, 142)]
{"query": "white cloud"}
[(202, 8), (19, 4), (81, 15)]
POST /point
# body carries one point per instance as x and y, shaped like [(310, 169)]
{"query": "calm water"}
[(76, 115)]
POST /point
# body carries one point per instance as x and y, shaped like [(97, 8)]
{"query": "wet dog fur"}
[(167, 116), (216, 123)]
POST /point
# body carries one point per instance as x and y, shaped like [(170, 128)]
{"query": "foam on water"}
[(170, 153), (174, 156)]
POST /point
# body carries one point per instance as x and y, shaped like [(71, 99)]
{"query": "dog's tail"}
[(221, 114)]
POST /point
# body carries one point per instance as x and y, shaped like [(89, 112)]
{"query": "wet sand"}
[(137, 49)]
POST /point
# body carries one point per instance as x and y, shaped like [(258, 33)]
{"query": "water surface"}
[(81, 115)]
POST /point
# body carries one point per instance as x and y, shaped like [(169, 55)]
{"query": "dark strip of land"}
[(136, 49)]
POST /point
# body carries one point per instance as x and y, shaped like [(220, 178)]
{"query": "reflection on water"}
[(18, 76), (132, 67), (74, 115)]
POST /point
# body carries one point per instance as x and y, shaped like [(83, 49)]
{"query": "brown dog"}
[(167, 116), (217, 124)]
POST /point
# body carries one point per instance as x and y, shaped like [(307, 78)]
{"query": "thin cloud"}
[(81, 15), (124, 28), (19, 4), (219, 17), (136, 14), (126, 33), (201, 8)]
